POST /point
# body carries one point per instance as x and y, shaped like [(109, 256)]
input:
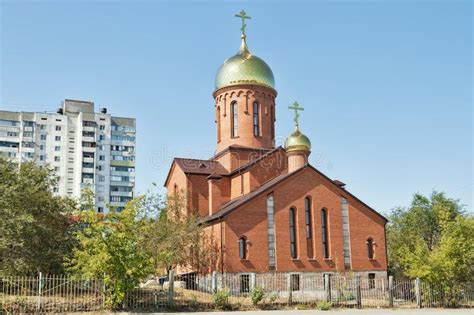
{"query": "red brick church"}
[(267, 207)]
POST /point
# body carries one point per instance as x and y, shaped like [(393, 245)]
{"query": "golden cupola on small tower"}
[(297, 145), (245, 100)]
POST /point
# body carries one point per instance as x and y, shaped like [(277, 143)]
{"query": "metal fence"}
[(59, 294)]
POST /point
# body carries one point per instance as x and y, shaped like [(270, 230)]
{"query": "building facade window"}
[(218, 122), (57, 158), (58, 128), (256, 119), (43, 137), (324, 232), (57, 138), (243, 247), (345, 234), (271, 231), (235, 121), (370, 248), (272, 117), (309, 226), (293, 247)]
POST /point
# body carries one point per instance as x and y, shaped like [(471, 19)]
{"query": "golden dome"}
[(297, 142), (244, 68)]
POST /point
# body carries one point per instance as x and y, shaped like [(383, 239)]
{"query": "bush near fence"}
[(59, 294)]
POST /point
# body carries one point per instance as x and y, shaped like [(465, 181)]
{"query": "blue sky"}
[(386, 86)]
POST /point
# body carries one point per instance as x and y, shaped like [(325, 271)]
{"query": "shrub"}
[(256, 295), (273, 297), (221, 299), (324, 306)]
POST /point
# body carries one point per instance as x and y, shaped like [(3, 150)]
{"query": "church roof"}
[(236, 203), (256, 160), (196, 166)]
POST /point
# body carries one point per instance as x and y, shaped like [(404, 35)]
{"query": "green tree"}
[(34, 225), (175, 237), (108, 247), (434, 240)]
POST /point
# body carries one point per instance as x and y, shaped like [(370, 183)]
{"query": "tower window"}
[(243, 247), (309, 227), (235, 123), (272, 117), (218, 121), (293, 250), (324, 230), (256, 119), (370, 248)]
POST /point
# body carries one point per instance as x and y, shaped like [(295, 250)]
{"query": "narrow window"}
[(256, 119), (272, 117), (235, 123), (243, 248), (345, 234), (218, 121), (371, 280), (370, 248), (271, 231), (324, 230), (293, 250), (309, 227)]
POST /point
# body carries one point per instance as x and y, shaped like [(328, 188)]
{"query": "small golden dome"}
[(244, 68), (297, 141)]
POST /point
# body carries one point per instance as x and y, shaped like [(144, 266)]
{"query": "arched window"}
[(218, 121), (256, 119), (235, 123), (370, 248), (243, 247), (324, 231), (309, 226), (293, 250), (272, 124)]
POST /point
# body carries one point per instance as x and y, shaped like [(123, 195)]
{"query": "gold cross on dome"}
[(243, 16), (296, 107)]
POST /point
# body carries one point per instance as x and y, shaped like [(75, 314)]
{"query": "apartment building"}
[(86, 149)]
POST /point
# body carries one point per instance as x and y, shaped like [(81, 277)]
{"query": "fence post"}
[(40, 277), (358, 292), (390, 291), (214, 282), (289, 288), (171, 288), (253, 281), (418, 292), (327, 287), (104, 294)]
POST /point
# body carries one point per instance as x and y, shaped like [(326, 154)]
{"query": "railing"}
[(59, 294)]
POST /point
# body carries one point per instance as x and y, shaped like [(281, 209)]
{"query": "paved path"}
[(433, 311)]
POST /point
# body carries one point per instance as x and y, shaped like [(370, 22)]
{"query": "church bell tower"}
[(245, 100)]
